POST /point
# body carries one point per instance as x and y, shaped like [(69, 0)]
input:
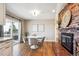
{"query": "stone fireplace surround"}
[(75, 31), (74, 24)]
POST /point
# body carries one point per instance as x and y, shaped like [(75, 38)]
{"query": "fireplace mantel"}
[(70, 29)]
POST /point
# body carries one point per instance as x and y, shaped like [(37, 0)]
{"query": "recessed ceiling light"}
[(35, 12), (53, 11)]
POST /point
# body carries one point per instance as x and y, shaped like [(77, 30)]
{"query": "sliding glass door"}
[(12, 28), (7, 28)]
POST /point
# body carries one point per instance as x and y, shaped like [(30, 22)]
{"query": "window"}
[(41, 27), (34, 27), (38, 27)]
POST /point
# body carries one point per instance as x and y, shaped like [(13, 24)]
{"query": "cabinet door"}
[(2, 13)]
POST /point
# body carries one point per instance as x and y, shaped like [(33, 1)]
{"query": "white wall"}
[(2, 13), (49, 28)]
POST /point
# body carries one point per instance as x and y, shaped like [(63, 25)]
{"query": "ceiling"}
[(22, 10)]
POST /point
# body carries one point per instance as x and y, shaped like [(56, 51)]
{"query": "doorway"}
[(12, 28)]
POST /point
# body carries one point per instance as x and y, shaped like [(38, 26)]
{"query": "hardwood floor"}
[(59, 50), (45, 50), (48, 49)]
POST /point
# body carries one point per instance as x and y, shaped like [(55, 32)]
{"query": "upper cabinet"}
[(2, 13)]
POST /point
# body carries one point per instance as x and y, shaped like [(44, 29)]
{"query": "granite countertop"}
[(5, 38)]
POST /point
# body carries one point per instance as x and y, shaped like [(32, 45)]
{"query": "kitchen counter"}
[(5, 38)]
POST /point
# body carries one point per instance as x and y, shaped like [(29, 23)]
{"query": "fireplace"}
[(67, 41)]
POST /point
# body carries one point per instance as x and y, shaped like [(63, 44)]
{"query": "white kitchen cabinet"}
[(2, 13)]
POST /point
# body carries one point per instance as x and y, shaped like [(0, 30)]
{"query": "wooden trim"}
[(13, 17), (49, 40)]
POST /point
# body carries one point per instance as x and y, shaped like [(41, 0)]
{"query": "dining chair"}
[(34, 43), (41, 41)]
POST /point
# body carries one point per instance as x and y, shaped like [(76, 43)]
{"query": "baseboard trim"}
[(49, 41)]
